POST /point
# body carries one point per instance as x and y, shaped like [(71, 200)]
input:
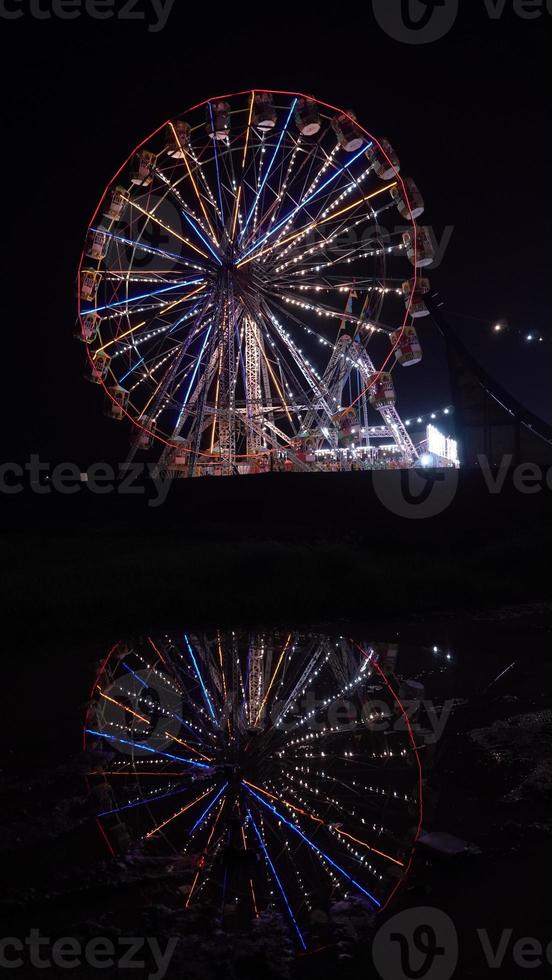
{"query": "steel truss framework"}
[(236, 273), (263, 764)]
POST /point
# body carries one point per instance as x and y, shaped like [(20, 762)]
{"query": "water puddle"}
[(272, 793)]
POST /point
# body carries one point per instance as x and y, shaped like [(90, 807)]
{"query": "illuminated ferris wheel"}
[(271, 771), (240, 278)]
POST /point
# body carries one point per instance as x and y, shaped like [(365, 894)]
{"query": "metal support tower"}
[(390, 416), (227, 398), (253, 384), (256, 678)]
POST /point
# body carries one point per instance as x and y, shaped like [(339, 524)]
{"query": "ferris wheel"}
[(272, 771), (250, 281)]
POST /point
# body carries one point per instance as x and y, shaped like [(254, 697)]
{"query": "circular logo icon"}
[(416, 21), (415, 494), (417, 944), (145, 237), (143, 711)]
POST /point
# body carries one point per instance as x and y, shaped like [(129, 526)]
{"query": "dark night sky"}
[(468, 115)]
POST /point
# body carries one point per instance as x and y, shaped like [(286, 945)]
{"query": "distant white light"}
[(442, 447), (427, 460)]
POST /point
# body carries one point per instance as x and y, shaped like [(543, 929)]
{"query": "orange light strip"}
[(188, 900), (187, 296), (369, 848), (275, 380), (248, 128), (123, 707), (253, 898), (221, 660), (191, 176), (132, 772), (361, 200), (189, 747), (284, 241), (273, 678), (168, 228), (236, 209), (168, 734), (157, 651), (120, 337), (245, 148), (180, 812), (165, 311), (144, 410), (315, 224), (279, 799), (135, 273), (305, 813)]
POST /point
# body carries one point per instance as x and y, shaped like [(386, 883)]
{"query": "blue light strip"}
[(147, 748), (130, 670), (187, 725), (307, 200), (134, 299), (151, 799), (313, 846), (265, 178), (187, 316), (200, 679), (127, 375), (276, 878), (203, 239), (206, 811), (144, 248), (194, 375)]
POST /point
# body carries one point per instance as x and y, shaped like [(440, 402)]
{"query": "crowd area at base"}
[(325, 463)]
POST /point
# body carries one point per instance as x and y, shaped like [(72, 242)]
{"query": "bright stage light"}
[(439, 445)]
